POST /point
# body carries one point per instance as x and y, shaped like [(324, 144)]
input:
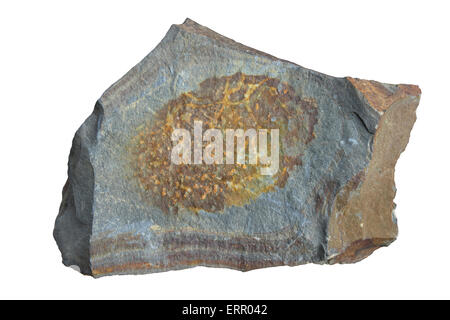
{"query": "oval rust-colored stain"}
[(239, 101)]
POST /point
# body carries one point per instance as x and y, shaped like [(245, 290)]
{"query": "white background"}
[(56, 59)]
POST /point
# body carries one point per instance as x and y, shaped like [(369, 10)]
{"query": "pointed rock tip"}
[(381, 96), (188, 24)]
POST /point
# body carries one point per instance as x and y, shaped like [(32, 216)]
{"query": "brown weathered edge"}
[(362, 219)]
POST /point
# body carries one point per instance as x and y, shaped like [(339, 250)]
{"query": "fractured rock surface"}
[(128, 209)]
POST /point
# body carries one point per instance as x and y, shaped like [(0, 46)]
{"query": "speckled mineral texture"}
[(128, 209)]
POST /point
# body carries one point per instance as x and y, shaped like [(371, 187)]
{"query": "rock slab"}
[(128, 209)]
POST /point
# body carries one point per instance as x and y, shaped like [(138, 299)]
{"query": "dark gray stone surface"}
[(341, 138)]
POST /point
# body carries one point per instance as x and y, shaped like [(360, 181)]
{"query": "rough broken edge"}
[(368, 214)]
